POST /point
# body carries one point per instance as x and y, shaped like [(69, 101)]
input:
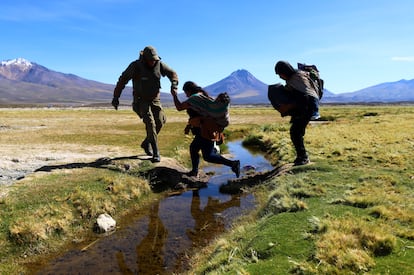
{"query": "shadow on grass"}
[(160, 177), (99, 163)]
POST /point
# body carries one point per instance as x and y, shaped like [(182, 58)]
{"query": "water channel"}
[(160, 239)]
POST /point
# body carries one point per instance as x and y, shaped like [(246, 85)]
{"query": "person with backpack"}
[(146, 73), (207, 119), (304, 99)]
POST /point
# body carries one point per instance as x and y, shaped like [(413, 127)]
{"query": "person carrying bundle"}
[(299, 98), (207, 119)]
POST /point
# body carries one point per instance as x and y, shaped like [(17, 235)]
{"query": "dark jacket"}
[(146, 82)]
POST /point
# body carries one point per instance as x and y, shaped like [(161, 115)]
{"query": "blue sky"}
[(355, 43)]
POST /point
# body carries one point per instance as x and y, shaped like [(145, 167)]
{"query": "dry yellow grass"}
[(363, 161)]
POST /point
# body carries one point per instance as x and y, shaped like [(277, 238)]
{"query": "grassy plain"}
[(351, 211)]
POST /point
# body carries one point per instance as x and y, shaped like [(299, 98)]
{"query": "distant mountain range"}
[(244, 88), (25, 82), (391, 92)]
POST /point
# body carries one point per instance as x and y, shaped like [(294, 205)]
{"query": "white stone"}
[(105, 223)]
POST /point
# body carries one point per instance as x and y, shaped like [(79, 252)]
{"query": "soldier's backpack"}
[(314, 75)]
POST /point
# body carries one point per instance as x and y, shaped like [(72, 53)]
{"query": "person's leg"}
[(159, 120), (297, 133), (150, 126), (136, 106), (315, 107), (195, 147), (210, 155), (159, 116), (146, 146)]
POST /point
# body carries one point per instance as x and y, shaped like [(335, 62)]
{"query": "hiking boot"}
[(301, 161), (236, 167), (192, 173), (155, 153), (146, 146), (156, 159)]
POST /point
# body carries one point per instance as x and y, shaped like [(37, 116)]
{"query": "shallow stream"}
[(160, 239)]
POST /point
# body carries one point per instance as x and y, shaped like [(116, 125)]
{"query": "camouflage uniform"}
[(146, 91)]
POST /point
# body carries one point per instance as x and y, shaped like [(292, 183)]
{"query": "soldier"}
[(146, 73)]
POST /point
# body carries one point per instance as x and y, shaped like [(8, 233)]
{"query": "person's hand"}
[(174, 90), (174, 87), (187, 129), (115, 102)]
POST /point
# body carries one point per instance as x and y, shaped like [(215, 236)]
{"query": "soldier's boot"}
[(155, 152), (146, 146)]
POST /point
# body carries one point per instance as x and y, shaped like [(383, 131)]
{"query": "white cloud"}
[(403, 58)]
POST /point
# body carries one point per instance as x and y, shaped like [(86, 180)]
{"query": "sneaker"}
[(301, 161), (315, 116), (146, 146), (236, 167)]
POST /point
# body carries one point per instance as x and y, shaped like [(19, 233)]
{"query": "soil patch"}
[(19, 161), (25, 162)]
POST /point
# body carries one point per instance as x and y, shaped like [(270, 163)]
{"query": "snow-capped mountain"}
[(20, 62), (15, 69), (22, 81)]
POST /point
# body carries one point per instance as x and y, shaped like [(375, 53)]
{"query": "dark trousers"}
[(297, 133), (207, 149)]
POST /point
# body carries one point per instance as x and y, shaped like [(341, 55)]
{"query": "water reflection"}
[(160, 238), (149, 251), (208, 220), (162, 250)]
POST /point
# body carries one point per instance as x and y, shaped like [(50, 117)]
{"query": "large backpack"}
[(314, 75)]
